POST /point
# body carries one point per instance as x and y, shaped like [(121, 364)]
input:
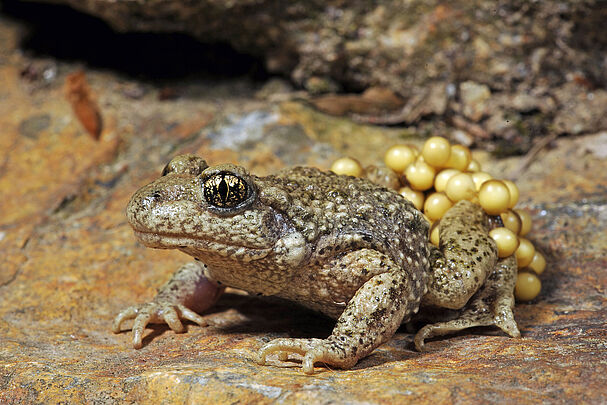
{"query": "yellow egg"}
[(460, 158), (420, 175), (347, 166), (436, 151), (514, 193), (538, 263), (506, 241), (441, 179), (524, 252), (436, 205), (494, 197), (527, 287), (460, 187), (473, 166), (399, 157), (479, 178), (435, 233), (511, 221), (416, 197), (525, 221)]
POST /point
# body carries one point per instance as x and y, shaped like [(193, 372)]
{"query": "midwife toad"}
[(342, 246)]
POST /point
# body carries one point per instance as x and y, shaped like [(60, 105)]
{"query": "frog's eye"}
[(225, 190)]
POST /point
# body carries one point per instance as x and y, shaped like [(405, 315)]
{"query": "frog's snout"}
[(160, 203)]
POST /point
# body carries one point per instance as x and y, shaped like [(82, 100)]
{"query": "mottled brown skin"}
[(342, 246)]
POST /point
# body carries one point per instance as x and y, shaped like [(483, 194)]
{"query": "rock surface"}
[(69, 261), (509, 69)]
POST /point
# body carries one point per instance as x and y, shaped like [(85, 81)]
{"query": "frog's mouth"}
[(200, 246)]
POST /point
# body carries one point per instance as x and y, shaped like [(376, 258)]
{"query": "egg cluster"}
[(442, 174)]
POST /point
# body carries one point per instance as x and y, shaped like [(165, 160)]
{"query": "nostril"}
[(156, 195), (167, 169)]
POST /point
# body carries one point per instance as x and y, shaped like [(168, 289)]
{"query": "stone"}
[(413, 48), (69, 261), (473, 97), (583, 110)]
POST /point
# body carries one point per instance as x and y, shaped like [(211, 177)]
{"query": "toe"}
[(283, 347), (139, 325), (192, 316), (308, 362), (172, 319), (420, 338), (128, 313)]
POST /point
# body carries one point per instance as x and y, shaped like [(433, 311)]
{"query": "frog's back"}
[(353, 213)]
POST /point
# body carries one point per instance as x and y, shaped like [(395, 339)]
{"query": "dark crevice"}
[(65, 34)]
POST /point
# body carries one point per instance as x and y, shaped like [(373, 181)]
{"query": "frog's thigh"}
[(492, 305), (370, 318), (466, 256)]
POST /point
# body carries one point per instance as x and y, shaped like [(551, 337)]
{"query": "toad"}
[(343, 246)]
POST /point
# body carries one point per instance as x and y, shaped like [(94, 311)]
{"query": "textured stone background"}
[(508, 70), (69, 262)]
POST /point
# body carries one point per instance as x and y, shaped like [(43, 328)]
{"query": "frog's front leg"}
[(370, 318), (185, 295)]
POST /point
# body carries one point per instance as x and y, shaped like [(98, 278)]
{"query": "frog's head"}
[(206, 211)]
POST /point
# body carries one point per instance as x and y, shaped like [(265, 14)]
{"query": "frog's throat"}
[(197, 246)]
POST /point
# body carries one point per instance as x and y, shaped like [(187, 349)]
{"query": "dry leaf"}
[(375, 100), (78, 93)]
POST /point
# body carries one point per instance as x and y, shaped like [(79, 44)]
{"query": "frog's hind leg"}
[(491, 305)]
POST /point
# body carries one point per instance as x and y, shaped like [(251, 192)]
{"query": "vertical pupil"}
[(223, 190)]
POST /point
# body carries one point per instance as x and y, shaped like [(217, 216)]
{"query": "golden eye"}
[(225, 190)]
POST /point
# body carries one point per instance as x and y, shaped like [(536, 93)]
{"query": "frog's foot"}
[(467, 319), (312, 350), (503, 318), (444, 328), (492, 305), (155, 312)]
